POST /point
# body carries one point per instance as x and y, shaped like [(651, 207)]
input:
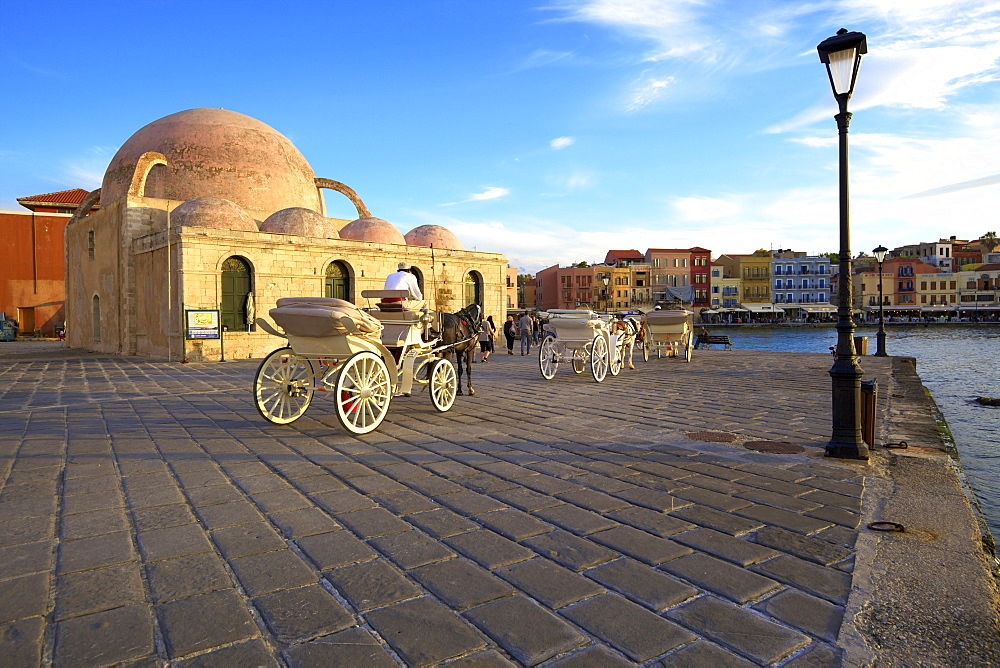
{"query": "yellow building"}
[(211, 211)]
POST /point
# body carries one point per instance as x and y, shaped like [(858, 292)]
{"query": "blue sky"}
[(547, 130)]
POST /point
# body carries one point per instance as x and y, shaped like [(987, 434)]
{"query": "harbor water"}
[(957, 363)]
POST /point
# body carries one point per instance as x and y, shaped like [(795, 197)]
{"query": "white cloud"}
[(493, 192), (646, 91), (562, 142)]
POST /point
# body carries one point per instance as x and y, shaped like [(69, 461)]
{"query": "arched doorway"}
[(473, 289), (337, 283), (419, 275), (236, 284)]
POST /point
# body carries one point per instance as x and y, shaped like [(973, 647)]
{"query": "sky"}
[(549, 130)]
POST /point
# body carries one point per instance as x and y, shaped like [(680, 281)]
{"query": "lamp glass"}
[(842, 70), (880, 253)]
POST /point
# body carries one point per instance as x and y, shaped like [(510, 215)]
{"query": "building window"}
[(90, 244), (236, 284), (96, 316), (473, 289), (337, 283)]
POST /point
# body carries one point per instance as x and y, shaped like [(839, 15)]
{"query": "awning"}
[(709, 311), (764, 308), (939, 308), (820, 309)]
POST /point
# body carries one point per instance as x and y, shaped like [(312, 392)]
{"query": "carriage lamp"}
[(842, 56), (880, 337)]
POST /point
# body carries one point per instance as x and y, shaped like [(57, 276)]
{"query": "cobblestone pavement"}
[(148, 512)]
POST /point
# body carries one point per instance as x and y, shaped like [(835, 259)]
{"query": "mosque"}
[(209, 211)]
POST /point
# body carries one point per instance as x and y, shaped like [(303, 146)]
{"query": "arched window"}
[(337, 283), (96, 317), (473, 289), (236, 283), (419, 275)]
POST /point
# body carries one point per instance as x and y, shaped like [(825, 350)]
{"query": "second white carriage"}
[(580, 337)]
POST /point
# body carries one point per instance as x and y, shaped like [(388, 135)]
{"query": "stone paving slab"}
[(151, 514)]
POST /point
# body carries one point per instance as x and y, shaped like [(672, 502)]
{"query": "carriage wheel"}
[(444, 383), (647, 342), (283, 387), (362, 392), (547, 358), (600, 358), (617, 360), (579, 360)]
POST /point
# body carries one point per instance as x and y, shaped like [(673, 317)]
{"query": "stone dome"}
[(303, 222), (220, 214), (216, 153), (372, 229), (440, 237)]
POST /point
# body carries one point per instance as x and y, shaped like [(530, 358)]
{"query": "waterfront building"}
[(936, 253), (937, 293), (565, 288), (212, 211), (754, 271), (32, 258), (801, 284), (724, 289), (979, 292), (680, 272), (512, 290), (899, 287)]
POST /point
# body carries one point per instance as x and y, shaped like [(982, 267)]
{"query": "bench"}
[(715, 340)]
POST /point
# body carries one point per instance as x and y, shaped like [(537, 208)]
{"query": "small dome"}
[(303, 222), (372, 229), (440, 237), (220, 214)]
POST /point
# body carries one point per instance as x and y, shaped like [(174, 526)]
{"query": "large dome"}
[(213, 212), (433, 235), (373, 229), (303, 222), (217, 153)]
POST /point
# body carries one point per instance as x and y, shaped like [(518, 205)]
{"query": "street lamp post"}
[(606, 280), (842, 56), (880, 337)]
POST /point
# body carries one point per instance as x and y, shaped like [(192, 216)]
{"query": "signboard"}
[(202, 324)]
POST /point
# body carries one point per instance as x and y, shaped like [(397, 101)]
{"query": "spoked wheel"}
[(444, 385), (617, 360), (579, 360), (547, 358), (600, 358), (647, 342), (362, 392), (283, 387)]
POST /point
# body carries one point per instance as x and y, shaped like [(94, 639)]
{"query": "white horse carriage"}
[(580, 336), (669, 333), (364, 358)]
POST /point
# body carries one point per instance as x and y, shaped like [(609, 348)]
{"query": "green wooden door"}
[(235, 288)]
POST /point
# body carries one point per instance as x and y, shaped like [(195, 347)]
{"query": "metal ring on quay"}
[(896, 446), (886, 526)]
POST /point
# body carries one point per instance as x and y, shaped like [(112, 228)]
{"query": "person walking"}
[(509, 332), (486, 336), (536, 330), (524, 327)]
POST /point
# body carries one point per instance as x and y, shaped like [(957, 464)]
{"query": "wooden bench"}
[(715, 340)]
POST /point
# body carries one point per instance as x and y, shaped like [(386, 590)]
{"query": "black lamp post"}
[(880, 338), (606, 280), (842, 56)]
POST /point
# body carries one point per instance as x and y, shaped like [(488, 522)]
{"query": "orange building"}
[(32, 261)]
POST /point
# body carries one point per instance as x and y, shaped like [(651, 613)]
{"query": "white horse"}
[(627, 330)]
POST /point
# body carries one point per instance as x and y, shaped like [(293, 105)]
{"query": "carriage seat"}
[(573, 324), (394, 301), (322, 316), (667, 317)]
